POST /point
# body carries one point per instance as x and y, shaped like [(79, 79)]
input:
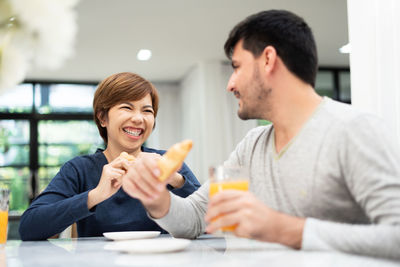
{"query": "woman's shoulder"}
[(88, 161)]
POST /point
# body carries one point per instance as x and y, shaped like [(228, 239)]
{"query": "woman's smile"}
[(134, 132)]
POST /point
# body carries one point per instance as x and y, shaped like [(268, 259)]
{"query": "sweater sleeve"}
[(185, 217), (377, 240), (191, 183), (60, 205), (369, 160)]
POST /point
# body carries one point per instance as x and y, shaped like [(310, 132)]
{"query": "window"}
[(43, 125), (344, 85), (64, 98), (18, 100), (14, 161), (57, 145), (324, 84), (334, 83)]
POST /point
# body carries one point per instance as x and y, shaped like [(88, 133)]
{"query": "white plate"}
[(131, 235), (159, 245)]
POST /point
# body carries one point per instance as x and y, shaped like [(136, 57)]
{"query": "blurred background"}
[(47, 120)]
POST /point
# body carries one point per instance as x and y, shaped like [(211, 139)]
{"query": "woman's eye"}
[(126, 107), (149, 111)]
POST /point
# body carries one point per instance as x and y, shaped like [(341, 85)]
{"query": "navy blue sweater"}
[(64, 202)]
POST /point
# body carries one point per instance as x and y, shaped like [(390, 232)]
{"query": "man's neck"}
[(292, 111)]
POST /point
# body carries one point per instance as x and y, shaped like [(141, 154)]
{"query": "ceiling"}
[(180, 33)]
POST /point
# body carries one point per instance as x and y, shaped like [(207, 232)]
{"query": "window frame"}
[(33, 117), (336, 81)]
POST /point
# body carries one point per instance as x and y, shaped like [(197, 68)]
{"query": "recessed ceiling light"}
[(346, 49), (144, 54)]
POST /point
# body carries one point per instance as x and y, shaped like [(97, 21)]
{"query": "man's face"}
[(248, 85)]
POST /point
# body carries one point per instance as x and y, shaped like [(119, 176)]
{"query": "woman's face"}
[(129, 124)]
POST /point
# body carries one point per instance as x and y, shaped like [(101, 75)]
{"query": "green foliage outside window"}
[(58, 140), (263, 122), (14, 150), (16, 179)]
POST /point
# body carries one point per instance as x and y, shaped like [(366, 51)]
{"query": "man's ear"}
[(270, 58)]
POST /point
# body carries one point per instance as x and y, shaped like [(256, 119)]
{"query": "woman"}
[(87, 190)]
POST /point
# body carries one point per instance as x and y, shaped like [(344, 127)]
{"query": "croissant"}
[(125, 155), (173, 158)]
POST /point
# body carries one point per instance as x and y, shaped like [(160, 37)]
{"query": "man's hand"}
[(253, 219), (142, 182)]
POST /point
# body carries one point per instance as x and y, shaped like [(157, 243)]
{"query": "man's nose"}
[(230, 87)]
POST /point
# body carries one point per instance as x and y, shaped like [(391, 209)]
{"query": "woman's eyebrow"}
[(127, 103)]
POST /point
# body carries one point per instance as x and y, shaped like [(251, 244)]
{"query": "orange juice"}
[(238, 184), (3, 226)]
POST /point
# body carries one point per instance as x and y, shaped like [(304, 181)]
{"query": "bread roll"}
[(125, 155), (173, 158)]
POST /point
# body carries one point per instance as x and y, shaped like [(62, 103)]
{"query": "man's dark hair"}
[(289, 34)]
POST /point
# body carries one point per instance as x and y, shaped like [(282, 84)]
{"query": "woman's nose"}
[(137, 117)]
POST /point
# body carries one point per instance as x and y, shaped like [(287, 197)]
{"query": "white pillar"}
[(374, 34), (210, 116)]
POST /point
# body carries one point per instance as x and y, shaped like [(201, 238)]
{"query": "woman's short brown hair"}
[(117, 88)]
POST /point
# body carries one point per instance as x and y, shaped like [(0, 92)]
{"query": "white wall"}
[(209, 116), (374, 34), (168, 129)]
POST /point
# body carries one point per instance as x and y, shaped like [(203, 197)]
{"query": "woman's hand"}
[(110, 181), (176, 180)]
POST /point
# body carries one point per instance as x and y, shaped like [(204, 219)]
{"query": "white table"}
[(204, 251)]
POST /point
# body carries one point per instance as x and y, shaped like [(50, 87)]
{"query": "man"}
[(323, 176)]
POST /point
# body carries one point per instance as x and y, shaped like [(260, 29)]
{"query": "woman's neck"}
[(112, 153)]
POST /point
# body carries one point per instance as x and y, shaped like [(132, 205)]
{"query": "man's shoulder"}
[(343, 119), (345, 114), (340, 111), (257, 132)]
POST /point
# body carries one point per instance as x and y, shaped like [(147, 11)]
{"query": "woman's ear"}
[(102, 118)]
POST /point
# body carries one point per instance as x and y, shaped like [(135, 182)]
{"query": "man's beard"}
[(256, 110)]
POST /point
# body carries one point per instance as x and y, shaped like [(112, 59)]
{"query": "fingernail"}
[(156, 172)]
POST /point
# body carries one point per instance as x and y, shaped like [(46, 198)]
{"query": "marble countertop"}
[(204, 251)]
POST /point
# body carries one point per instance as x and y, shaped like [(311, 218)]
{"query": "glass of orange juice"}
[(226, 177), (4, 196)]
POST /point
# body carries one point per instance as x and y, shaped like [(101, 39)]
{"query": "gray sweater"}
[(341, 172)]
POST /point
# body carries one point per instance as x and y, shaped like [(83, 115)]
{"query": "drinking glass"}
[(224, 177), (4, 197)]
